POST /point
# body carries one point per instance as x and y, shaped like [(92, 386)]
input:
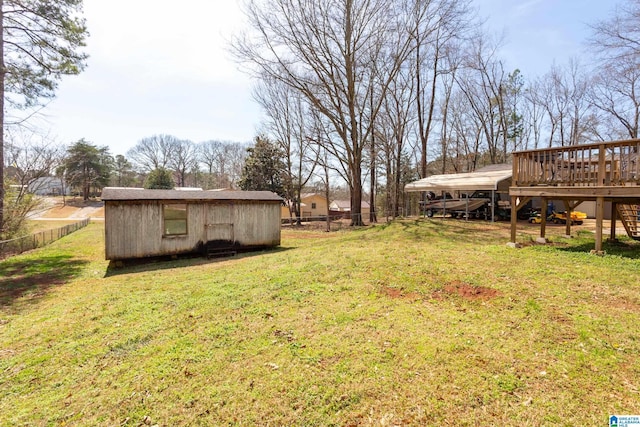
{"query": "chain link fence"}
[(26, 243)]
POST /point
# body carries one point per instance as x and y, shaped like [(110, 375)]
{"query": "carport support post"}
[(444, 205), (493, 206), (466, 209)]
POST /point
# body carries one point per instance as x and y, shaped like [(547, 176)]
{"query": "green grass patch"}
[(408, 323)]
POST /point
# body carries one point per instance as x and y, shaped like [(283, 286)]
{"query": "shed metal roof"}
[(491, 178), (122, 194)]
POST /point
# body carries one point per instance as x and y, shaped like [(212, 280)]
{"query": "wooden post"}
[(568, 209), (614, 216), (602, 166), (514, 218), (599, 220), (543, 219)]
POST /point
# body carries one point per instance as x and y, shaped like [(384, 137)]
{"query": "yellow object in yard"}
[(577, 217)]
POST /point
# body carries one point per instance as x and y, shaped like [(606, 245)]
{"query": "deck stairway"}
[(628, 214)]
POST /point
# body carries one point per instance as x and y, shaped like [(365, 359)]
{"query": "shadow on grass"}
[(622, 248), (452, 229), (160, 263), (19, 278)]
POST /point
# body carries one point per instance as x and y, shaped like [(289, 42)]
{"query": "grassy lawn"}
[(45, 225), (422, 323)]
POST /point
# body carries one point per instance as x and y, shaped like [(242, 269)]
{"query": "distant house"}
[(313, 205), (48, 186), (342, 208), (144, 223)]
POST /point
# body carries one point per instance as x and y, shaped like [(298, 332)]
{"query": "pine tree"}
[(159, 179), (40, 42), (263, 168)]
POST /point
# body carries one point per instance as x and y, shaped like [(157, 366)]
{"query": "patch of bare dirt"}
[(466, 291), (60, 212), (624, 304), (72, 209)]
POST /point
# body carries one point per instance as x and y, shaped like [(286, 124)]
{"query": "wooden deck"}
[(605, 171)]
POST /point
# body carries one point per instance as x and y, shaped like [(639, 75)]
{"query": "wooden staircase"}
[(628, 214)]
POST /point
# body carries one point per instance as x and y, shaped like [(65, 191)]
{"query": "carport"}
[(494, 178)]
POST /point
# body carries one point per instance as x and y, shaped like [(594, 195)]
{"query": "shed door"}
[(219, 224)]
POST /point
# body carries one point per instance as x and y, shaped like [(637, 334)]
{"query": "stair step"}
[(629, 216), (220, 253)]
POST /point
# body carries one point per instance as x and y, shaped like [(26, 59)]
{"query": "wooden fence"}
[(39, 239)]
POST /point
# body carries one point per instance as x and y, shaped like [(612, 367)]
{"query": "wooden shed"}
[(145, 223)]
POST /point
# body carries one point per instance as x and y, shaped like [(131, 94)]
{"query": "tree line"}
[(82, 168), (381, 92), (374, 93)]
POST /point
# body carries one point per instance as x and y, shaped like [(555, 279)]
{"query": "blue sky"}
[(539, 33), (159, 67)]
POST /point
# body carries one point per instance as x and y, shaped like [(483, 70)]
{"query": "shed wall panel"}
[(257, 224), (220, 223), (134, 229)]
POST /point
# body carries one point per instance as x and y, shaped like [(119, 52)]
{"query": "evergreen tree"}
[(263, 168), (40, 41), (159, 179), (123, 173), (87, 166)]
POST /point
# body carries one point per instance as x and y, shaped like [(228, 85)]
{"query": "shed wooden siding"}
[(134, 229)]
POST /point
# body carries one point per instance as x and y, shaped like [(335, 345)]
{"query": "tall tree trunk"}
[(327, 192), (356, 148), (396, 186), (2, 80), (372, 196)]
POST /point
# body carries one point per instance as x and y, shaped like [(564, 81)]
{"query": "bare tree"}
[(563, 93), (212, 156), (617, 39), (467, 132), (616, 93), (482, 81), (183, 159), (326, 51), (395, 123), (235, 155), (31, 157), (153, 152), (33, 160), (534, 115), (290, 123), (439, 26), (123, 174)]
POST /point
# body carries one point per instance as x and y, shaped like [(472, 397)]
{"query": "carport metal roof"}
[(495, 177)]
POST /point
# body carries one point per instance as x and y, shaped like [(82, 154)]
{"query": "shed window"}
[(313, 205), (175, 219)]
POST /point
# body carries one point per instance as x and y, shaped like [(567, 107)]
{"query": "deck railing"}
[(614, 163)]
